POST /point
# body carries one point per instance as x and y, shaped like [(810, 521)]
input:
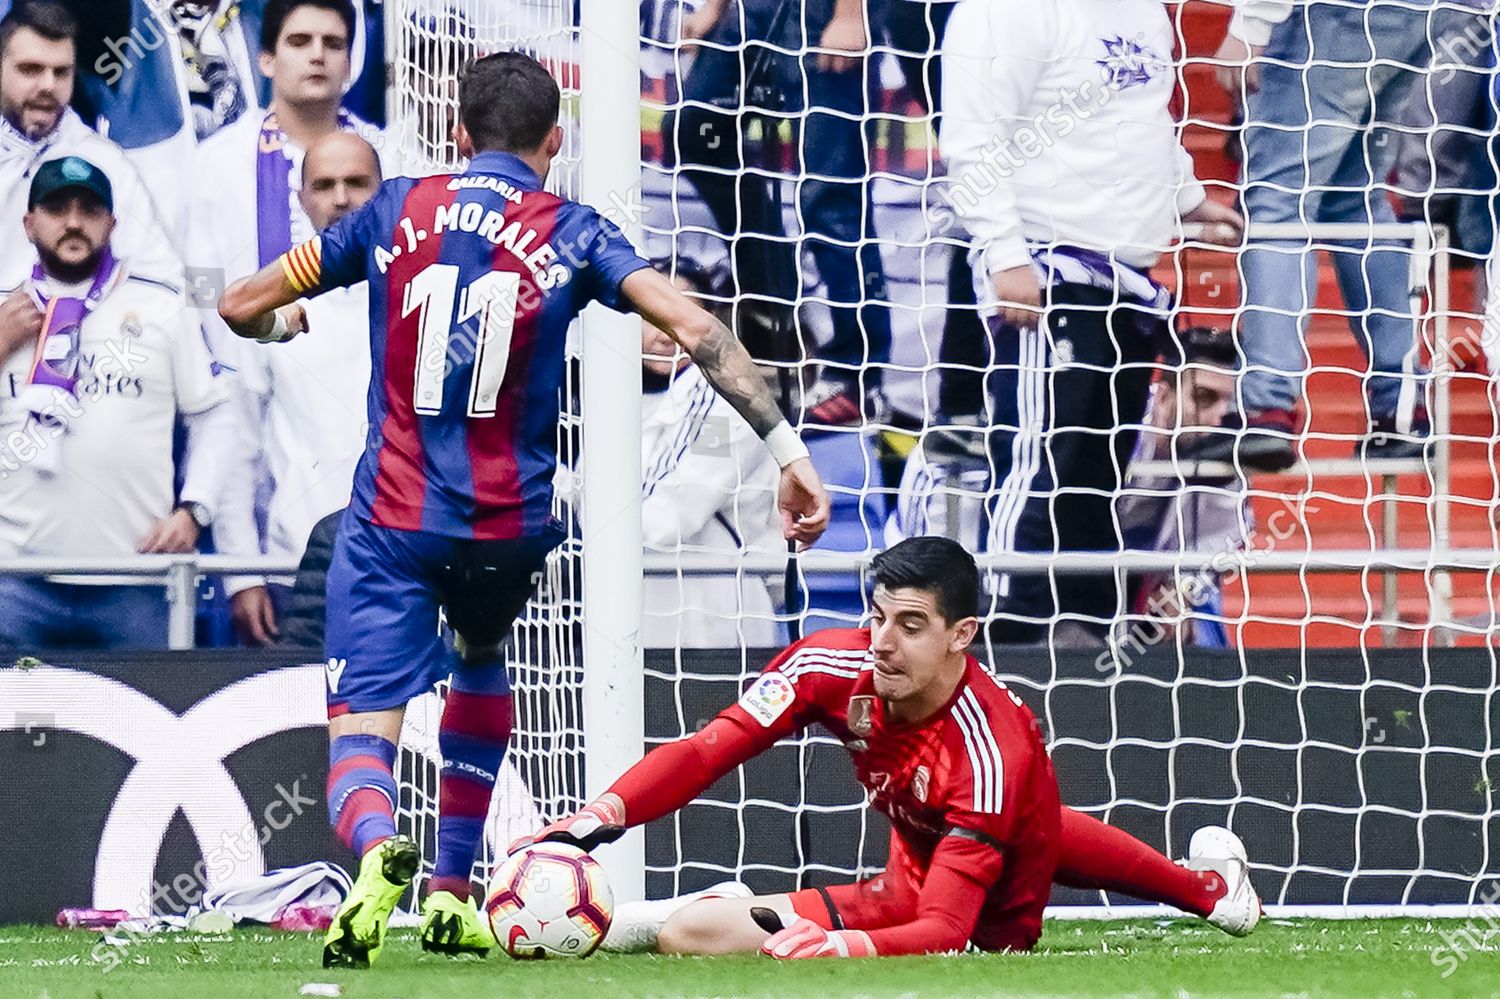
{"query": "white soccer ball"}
[(550, 900)]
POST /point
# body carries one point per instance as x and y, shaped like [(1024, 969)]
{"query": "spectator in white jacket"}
[(87, 419), (1064, 162), (38, 52), (302, 402), (245, 209), (709, 489)]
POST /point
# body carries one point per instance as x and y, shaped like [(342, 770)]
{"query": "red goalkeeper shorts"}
[(890, 899)]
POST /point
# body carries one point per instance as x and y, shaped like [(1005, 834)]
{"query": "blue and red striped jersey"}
[(474, 279)]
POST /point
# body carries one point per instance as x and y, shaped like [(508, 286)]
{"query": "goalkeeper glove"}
[(597, 823), (805, 938)]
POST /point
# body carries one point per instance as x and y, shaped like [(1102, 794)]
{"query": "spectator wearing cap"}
[(302, 404), (1160, 510), (709, 490), (87, 418), (38, 53)]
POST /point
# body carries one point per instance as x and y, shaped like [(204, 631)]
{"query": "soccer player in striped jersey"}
[(948, 754), (474, 279)]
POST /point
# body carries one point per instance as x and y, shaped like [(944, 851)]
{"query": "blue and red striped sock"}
[(473, 736), (362, 790)]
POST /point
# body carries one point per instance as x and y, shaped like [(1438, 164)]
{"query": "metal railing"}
[(179, 574), (1428, 274), (1386, 470)]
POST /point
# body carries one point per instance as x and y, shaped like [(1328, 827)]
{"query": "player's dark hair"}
[(277, 11), (508, 102), (940, 566), (1205, 346), (47, 18), (711, 284)]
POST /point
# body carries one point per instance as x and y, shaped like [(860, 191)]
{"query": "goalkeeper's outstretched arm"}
[(665, 780)]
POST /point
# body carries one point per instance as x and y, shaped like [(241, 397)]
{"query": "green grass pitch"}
[(1175, 959)]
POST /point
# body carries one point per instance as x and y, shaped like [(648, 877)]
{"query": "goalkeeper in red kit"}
[(948, 753)]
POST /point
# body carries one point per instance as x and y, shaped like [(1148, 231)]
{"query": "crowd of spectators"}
[(114, 285), (151, 152)]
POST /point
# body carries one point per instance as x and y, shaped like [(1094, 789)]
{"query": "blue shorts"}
[(385, 588)]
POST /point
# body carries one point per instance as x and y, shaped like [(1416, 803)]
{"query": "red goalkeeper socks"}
[(1095, 855)]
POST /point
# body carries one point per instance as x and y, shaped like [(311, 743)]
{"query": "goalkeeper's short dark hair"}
[(50, 19), (277, 11), (508, 102), (940, 566)]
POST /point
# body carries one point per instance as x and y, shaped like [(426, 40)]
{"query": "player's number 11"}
[(433, 293)]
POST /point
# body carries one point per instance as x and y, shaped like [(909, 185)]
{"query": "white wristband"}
[(278, 331), (785, 444)]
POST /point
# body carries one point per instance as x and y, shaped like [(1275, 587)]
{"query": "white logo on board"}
[(179, 762)]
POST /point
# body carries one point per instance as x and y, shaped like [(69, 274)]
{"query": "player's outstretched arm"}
[(665, 780), (713, 347), (262, 306)]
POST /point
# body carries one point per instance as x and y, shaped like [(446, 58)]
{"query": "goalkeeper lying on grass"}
[(948, 754)]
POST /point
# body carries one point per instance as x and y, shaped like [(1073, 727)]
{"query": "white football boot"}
[(1214, 848), (635, 925)]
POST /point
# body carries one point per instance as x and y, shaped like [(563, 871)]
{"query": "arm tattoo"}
[(728, 366)]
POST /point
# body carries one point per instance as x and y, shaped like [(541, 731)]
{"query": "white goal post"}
[(613, 695), (578, 674)]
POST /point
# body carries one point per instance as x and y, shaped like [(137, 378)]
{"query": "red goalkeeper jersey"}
[(971, 790)]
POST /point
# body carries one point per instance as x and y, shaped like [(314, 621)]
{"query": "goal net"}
[(1303, 654), (430, 43)]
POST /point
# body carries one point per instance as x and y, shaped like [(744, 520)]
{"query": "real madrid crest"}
[(861, 715), (132, 327)]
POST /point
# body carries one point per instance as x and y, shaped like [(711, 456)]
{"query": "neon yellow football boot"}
[(358, 931), (451, 925)]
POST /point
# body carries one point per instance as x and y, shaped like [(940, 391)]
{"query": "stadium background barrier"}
[(158, 774)]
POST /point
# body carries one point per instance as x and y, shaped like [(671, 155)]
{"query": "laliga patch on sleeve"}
[(768, 698)]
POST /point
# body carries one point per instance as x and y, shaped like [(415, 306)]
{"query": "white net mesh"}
[(1336, 760), (1239, 659), (431, 42)]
